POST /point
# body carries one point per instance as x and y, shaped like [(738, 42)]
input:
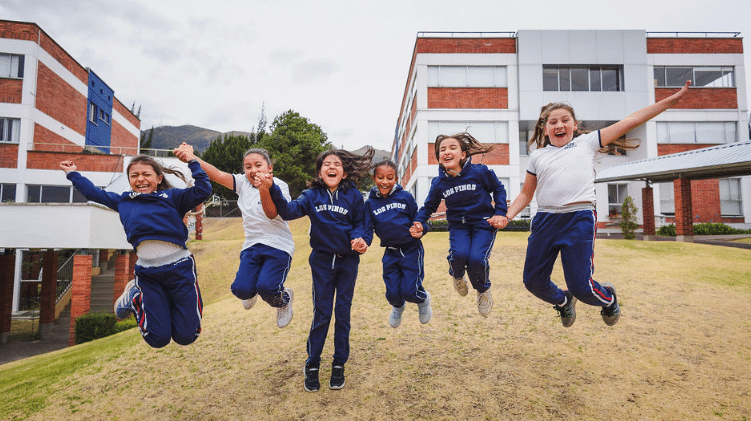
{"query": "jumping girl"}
[(164, 294), (336, 210), (475, 206), (267, 252), (561, 171), (390, 211)]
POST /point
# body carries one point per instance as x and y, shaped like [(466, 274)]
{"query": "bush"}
[(667, 231), (707, 228), (100, 325), (628, 218), (513, 225)]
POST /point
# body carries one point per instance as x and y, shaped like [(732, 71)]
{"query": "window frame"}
[(15, 71), (661, 79), (564, 76), (619, 205), (468, 78)]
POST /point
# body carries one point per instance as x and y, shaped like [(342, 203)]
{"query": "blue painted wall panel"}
[(99, 114)]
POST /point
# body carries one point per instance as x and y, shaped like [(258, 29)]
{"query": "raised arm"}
[(263, 183), (185, 153), (615, 131)]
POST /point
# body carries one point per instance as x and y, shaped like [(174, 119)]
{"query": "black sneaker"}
[(610, 314), (311, 379), (567, 312), (337, 377)]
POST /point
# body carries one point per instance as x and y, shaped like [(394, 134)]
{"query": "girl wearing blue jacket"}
[(164, 295), (475, 207), (390, 211), (336, 209)]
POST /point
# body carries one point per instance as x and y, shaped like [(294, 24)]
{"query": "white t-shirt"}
[(565, 175), (258, 227)]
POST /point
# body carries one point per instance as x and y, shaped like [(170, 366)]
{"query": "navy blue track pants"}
[(403, 273), (263, 270), (469, 251)]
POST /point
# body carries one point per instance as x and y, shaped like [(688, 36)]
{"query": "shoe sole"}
[(429, 314), (463, 291), (289, 303), (618, 316), (304, 386), (573, 319), (336, 387)]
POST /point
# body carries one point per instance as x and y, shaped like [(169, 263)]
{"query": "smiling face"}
[(143, 178), (451, 155), (332, 171), (384, 177), (253, 164), (560, 127)]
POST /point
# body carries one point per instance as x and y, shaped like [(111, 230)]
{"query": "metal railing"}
[(448, 34), (678, 34)]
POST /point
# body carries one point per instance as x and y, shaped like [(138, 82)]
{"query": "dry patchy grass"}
[(679, 352)]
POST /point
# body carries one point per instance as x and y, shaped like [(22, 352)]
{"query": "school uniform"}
[(169, 305), (391, 217), (267, 252), (469, 205), (336, 218), (565, 221)]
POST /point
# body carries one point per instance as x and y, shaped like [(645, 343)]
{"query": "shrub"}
[(513, 225), (667, 231), (707, 228), (628, 218), (100, 325)]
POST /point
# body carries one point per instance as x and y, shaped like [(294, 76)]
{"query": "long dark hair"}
[(159, 169), (357, 167), (468, 143)]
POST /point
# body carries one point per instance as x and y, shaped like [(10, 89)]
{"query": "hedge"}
[(513, 225), (99, 325)]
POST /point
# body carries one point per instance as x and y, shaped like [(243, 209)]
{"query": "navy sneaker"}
[(311, 379), (337, 377), (567, 312), (124, 304), (610, 314)]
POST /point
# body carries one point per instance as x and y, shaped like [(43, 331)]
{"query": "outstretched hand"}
[(68, 166), (184, 152)]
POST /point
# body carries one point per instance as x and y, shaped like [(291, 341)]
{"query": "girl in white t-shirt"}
[(561, 170), (267, 252)]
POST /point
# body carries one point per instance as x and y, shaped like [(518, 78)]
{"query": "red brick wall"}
[(122, 276), (702, 98), (120, 108), (7, 268), (11, 91), (498, 156), (62, 57), (47, 140), (122, 141), (473, 98), (694, 45), (61, 101), (683, 213), (85, 162), (465, 45), (81, 292), (648, 210), (705, 200), (670, 148), (19, 31), (48, 294), (9, 156)]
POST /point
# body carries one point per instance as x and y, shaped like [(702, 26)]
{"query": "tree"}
[(628, 218), (294, 143), (226, 154), (145, 142)]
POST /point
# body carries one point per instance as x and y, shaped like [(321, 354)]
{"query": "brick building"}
[(52, 108), (493, 85)]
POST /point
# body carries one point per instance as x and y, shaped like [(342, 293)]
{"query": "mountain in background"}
[(170, 137)]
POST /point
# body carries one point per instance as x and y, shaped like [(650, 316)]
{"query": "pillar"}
[(684, 219), (199, 222), (7, 279), (48, 295), (122, 275), (81, 298), (648, 212)]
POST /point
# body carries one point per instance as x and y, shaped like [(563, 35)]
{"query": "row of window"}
[(582, 78), (42, 194), (97, 114), (702, 77), (11, 66), (730, 198)]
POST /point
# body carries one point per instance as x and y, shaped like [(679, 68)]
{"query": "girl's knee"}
[(186, 338), (157, 341), (242, 292)]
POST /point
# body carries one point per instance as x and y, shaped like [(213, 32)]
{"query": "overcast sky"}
[(342, 64)]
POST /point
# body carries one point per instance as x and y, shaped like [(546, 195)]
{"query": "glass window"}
[(610, 80), (480, 77), (595, 80), (677, 76), (711, 77), (34, 193), (667, 199), (582, 78), (10, 130), (78, 197), (616, 194), (467, 76), (11, 66), (710, 132), (730, 197), (92, 112), (56, 194), (483, 131), (701, 77), (452, 76), (550, 79), (579, 79), (564, 79), (7, 192), (659, 76)]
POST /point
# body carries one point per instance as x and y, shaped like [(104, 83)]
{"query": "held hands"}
[(359, 245), (498, 221), (184, 152), (416, 230), (263, 181), (68, 166)]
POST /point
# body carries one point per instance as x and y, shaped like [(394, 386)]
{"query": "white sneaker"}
[(124, 303), (395, 319), (484, 302), (250, 302), (424, 309), (460, 285), (284, 314)]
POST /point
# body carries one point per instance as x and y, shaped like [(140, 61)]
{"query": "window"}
[(582, 78), (524, 136), (54, 194), (467, 76), (7, 193), (705, 132), (701, 77), (11, 66), (104, 116), (92, 112), (10, 130), (483, 131), (730, 197), (667, 199), (616, 194)]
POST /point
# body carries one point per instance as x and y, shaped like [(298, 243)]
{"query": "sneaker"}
[(250, 302), (484, 302), (460, 285), (311, 379), (337, 377), (567, 311), (284, 314), (395, 319), (610, 314), (424, 309), (124, 304)]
